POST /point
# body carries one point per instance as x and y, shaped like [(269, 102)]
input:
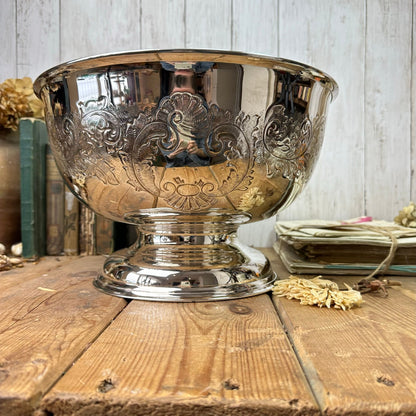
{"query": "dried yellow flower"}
[(253, 198), (317, 291), (407, 216), (18, 100)]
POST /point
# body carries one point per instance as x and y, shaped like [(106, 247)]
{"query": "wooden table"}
[(66, 349)]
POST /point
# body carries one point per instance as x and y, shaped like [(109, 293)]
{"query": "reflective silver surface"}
[(187, 145)]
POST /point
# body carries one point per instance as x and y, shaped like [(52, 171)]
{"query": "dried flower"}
[(407, 216), (318, 292), (253, 198), (18, 100), (7, 263)]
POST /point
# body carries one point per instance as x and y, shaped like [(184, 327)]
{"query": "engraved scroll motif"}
[(286, 143), (230, 147), (96, 126), (223, 164)]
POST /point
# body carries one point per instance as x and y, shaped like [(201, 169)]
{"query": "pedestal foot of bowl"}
[(191, 271)]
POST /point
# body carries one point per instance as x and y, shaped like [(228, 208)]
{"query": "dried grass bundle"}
[(317, 291)]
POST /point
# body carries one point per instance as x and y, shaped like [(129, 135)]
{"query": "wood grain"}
[(45, 324), (255, 29), (163, 24), (331, 36), (99, 26), (255, 26), (413, 106), (387, 91), (358, 362), (228, 357), (31, 270), (8, 37), (38, 36), (365, 45), (208, 24)]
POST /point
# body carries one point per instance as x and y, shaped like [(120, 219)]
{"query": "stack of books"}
[(331, 247), (54, 222)]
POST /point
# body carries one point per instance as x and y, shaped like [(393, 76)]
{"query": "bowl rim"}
[(184, 55)]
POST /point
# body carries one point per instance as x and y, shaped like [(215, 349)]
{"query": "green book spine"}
[(32, 181)]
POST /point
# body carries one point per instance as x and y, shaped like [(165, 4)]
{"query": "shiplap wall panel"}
[(255, 26), (90, 27), (208, 24), (163, 24), (8, 60), (255, 29), (331, 36), (387, 100), (368, 160), (413, 103), (38, 36)]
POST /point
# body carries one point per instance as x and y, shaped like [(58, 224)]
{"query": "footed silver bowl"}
[(187, 145)]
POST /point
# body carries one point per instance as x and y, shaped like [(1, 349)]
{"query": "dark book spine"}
[(87, 243), (33, 139), (54, 207), (42, 145), (104, 235)]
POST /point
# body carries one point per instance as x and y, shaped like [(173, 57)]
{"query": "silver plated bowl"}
[(187, 145)]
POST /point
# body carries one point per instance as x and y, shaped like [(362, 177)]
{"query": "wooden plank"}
[(413, 106), (387, 93), (255, 26), (37, 36), (208, 24), (362, 361), (163, 24), (99, 26), (317, 33), (229, 358), (46, 323), (255, 30), (32, 270), (8, 40)]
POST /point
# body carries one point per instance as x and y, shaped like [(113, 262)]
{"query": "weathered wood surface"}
[(46, 322), (31, 270), (163, 24), (37, 36), (229, 357), (362, 361), (387, 144), (8, 31), (340, 194), (87, 353)]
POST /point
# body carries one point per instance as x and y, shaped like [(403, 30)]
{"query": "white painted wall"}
[(368, 162)]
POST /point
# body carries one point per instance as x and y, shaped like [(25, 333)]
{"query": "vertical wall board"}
[(163, 24), (387, 100), (255, 30), (99, 26), (330, 36), (7, 40), (368, 160), (208, 24), (255, 26), (37, 36), (413, 104)]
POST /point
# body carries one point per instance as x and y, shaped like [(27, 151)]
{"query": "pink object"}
[(357, 220)]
